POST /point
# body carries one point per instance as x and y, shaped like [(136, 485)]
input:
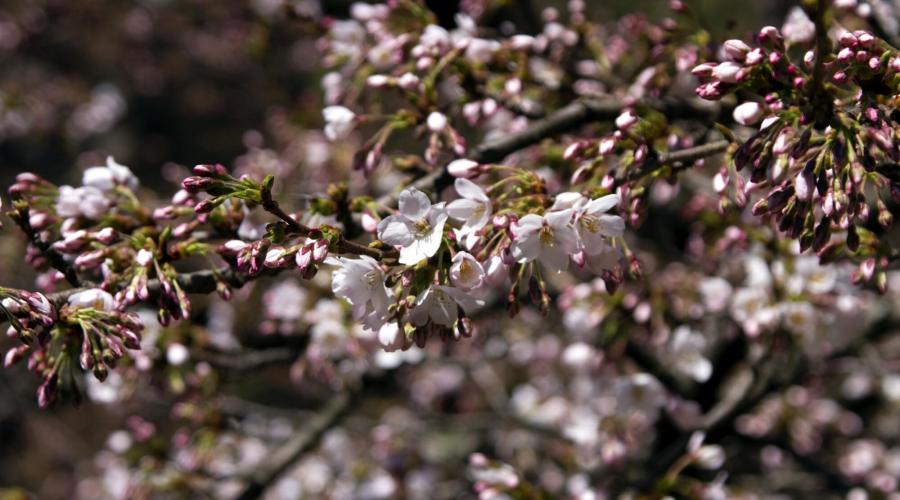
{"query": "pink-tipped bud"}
[(736, 50), (626, 120), (748, 113), (463, 168)]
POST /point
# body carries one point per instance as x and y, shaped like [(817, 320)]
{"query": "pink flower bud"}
[(865, 38), (805, 185), (436, 122), (736, 50), (754, 57), (463, 168), (408, 81), (848, 40), (369, 223), (626, 120), (748, 113), (704, 70), (378, 81), (320, 250)]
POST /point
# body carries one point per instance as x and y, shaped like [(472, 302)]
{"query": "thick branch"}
[(562, 120), (56, 259)]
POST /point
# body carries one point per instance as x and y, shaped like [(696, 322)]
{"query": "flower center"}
[(465, 270), (370, 278), (546, 236), (590, 223), (422, 227)]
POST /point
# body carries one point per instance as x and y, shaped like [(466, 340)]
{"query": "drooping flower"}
[(440, 304), (339, 122), (550, 239), (417, 228), (361, 283), (474, 209), (466, 273)]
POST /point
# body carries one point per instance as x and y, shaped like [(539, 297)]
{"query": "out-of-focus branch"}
[(243, 361), (650, 364), (831, 477), (885, 20), (282, 458)]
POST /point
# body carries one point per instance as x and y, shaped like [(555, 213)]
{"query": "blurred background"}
[(161, 83)]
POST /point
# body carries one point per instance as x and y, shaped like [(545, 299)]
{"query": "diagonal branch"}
[(562, 120), (282, 458)]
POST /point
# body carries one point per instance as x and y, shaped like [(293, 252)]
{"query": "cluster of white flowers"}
[(92, 200), (574, 227)]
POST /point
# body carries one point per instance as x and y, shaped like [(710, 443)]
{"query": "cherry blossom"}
[(550, 239), (418, 227)]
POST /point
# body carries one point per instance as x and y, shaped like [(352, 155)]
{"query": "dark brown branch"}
[(344, 245), (562, 120), (56, 259), (677, 159)]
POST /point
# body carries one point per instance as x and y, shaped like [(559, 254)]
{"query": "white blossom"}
[(418, 227), (550, 239), (85, 201), (474, 209), (686, 354), (339, 122), (105, 178), (94, 298), (594, 224), (361, 283), (440, 304)]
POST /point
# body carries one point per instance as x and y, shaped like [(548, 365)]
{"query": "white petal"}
[(414, 204), (470, 190), (602, 204), (555, 257), (462, 209), (395, 230), (612, 225)]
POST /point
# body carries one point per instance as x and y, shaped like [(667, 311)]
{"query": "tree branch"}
[(56, 259), (562, 120), (282, 458), (344, 245)]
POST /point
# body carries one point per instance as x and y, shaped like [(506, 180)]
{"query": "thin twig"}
[(344, 245)]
